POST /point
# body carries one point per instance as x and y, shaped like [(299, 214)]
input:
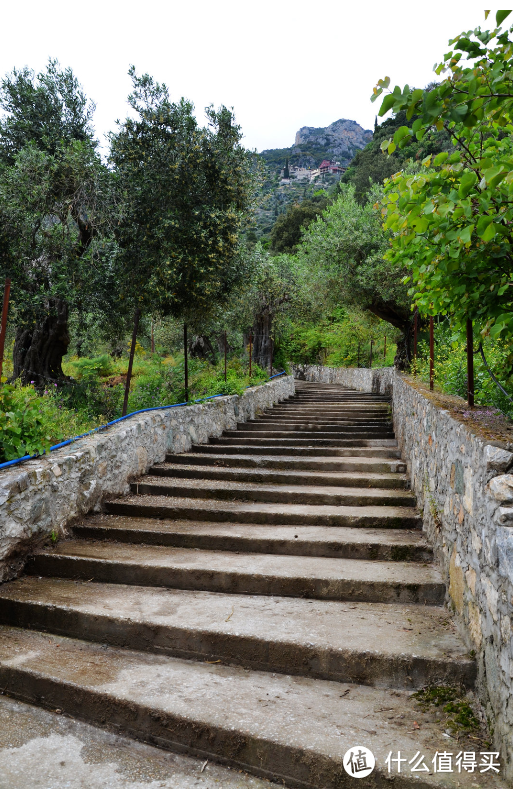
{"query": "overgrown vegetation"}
[(458, 713)]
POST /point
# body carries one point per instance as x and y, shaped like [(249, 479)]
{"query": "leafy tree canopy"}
[(49, 109), (55, 207), (343, 251), (185, 190), (453, 220), (369, 166), (286, 232)]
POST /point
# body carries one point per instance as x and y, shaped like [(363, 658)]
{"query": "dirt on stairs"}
[(266, 601)]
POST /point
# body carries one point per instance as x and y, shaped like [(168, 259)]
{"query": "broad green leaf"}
[(401, 133), (467, 182), (465, 234), (482, 225), (500, 16), (387, 104), (440, 159)]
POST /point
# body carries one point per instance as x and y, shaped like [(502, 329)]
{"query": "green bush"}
[(22, 426), (92, 368), (451, 368)]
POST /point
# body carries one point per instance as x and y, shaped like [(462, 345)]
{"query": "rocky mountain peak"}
[(339, 139)]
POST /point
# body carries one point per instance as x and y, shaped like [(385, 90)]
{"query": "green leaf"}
[(440, 159), (401, 133), (467, 183), (500, 16), (465, 235), (387, 104), (482, 225)]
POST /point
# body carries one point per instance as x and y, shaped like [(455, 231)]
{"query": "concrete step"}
[(304, 427), (368, 643), (249, 573), (295, 730), (351, 479), (367, 465), (309, 451), (224, 490), (321, 420), (308, 435), (332, 541), (381, 517), (236, 437)]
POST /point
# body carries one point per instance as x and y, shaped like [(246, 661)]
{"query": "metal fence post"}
[(131, 361)]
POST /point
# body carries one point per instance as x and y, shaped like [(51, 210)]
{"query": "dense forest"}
[(157, 239)]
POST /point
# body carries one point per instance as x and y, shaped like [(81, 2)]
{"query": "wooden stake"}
[(415, 329), (370, 357), (385, 349), (358, 362), (225, 357), (431, 354), (152, 338), (3, 328), (185, 363), (131, 361), (470, 364), (271, 360), (250, 351)]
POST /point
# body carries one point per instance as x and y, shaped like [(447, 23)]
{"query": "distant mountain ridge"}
[(338, 142)]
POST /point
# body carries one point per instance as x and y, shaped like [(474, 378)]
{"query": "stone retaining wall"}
[(466, 497), (45, 495)]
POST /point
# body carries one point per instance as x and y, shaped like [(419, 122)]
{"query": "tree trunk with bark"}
[(262, 339), (39, 349), (401, 320), (200, 347)]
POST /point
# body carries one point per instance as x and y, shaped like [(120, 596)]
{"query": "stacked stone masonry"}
[(465, 492), (46, 495)]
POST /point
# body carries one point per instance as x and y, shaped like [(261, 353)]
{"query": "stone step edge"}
[(368, 550), (358, 666), (231, 581)]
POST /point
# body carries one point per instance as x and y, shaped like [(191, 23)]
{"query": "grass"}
[(94, 396), (460, 717)]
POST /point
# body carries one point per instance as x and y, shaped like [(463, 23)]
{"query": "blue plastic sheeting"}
[(115, 422)]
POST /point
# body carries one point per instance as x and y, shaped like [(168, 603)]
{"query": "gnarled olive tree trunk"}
[(262, 338), (39, 349), (200, 347), (402, 319)]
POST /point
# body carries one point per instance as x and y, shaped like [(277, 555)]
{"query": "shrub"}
[(22, 426)]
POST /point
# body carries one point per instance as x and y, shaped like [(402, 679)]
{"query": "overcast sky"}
[(280, 64)]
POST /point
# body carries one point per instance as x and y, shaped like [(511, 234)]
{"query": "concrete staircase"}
[(267, 600)]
